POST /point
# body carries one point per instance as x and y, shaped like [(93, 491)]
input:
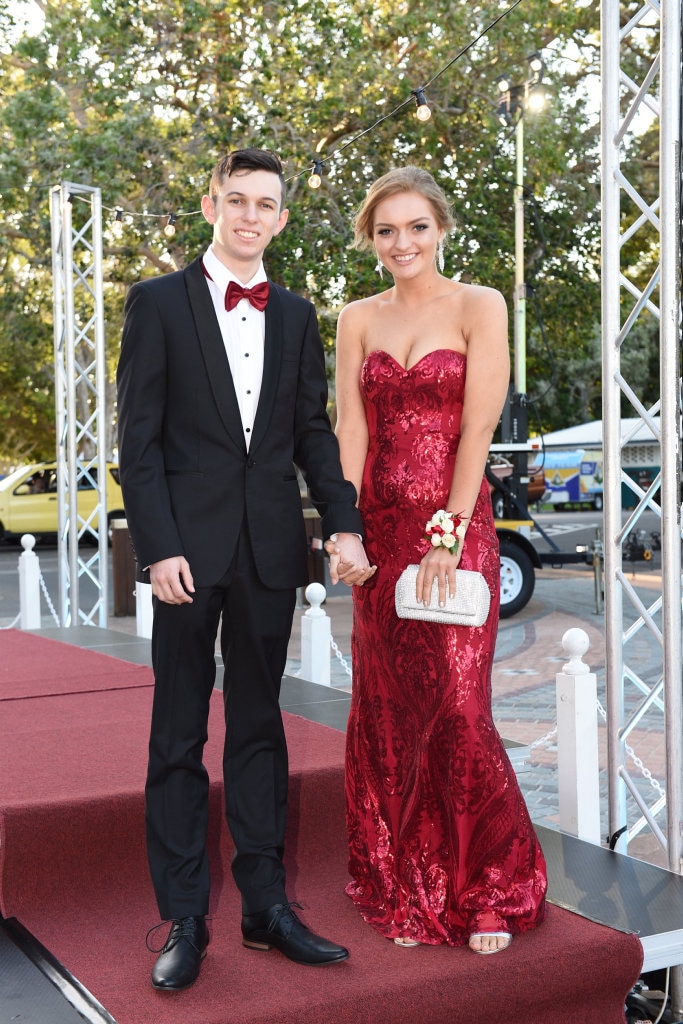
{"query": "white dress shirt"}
[(243, 330)]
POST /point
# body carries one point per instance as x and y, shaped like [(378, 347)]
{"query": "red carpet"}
[(73, 871)]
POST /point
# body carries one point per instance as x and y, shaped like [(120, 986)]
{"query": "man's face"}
[(245, 216)]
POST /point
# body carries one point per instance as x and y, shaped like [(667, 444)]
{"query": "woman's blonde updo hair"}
[(402, 179)]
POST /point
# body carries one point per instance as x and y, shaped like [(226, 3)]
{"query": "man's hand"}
[(171, 580), (348, 561)]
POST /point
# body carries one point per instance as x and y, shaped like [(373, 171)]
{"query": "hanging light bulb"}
[(503, 83), (316, 178), (422, 113), (536, 63), (117, 226), (169, 230)]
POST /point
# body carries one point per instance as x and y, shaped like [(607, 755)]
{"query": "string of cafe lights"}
[(422, 109), (422, 112)]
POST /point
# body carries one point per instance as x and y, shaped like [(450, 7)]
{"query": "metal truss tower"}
[(76, 216), (648, 224)]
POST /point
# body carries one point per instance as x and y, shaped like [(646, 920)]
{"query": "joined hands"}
[(348, 561)]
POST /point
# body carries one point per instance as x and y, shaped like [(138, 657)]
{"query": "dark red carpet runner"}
[(73, 738)]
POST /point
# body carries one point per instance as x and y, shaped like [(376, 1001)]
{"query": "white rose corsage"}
[(445, 530)]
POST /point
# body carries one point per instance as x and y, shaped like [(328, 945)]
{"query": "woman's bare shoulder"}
[(481, 295), (359, 313), (359, 305)]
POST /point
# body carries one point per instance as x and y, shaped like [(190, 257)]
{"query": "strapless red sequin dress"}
[(440, 841)]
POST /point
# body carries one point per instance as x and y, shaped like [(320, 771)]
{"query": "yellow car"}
[(28, 499)]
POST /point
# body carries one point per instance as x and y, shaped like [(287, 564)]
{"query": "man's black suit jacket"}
[(188, 480)]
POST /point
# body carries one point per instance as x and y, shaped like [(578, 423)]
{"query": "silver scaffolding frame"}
[(80, 402), (632, 701)]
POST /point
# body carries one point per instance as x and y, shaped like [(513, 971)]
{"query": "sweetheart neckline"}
[(405, 369)]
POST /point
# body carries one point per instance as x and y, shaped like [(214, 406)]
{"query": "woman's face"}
[(406, 234)]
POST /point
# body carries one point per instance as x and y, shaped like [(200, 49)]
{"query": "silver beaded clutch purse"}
[(469, 607)]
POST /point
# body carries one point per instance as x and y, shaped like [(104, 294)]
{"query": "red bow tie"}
[(257, 296)]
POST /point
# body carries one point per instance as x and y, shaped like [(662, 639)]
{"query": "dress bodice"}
[(428, 396), (413, 419)]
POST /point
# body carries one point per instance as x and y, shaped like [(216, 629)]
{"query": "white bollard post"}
[(143, 609), (577, 742), (29, 584), (315, 638)]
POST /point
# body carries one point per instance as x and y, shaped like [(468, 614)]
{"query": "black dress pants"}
[(255, 629)]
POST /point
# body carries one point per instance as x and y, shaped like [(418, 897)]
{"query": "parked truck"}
[(519, 558), (573, 478)]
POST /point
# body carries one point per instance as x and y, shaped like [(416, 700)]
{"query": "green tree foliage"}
[(140, 98)]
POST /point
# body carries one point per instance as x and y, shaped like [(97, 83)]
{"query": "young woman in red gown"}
[(442, 849)]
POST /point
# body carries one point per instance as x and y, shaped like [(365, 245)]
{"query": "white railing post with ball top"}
[(577, 742), (316, 635), (29, 584)]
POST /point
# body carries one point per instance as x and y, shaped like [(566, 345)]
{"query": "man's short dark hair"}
[(241, 161)]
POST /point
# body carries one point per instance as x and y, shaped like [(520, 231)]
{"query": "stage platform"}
[(602, 886), (618, 891), (610, 888)]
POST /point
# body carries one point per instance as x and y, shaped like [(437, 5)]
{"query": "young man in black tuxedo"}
[(221, 394)]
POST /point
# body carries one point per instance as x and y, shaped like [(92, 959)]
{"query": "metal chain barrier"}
[(340, 657), (544, 741), (645, 772), (48, 599)]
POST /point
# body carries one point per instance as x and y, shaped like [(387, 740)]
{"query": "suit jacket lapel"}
[(213, 351), (272, 357)]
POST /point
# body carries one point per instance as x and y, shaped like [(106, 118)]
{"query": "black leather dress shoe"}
[(180, 959), (280, 927)]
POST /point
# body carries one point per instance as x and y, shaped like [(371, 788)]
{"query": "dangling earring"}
[(379, 268), (439, 255)]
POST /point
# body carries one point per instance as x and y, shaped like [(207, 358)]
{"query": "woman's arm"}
[(486, 385), (485, 328), (351, 428)]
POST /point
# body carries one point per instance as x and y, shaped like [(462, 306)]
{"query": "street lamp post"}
[(513, 101), (520, 285)]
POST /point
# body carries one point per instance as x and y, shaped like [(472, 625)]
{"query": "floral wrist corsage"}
[(445, 530)]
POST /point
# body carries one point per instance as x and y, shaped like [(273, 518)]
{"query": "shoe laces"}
[(284, 910), (183, 928)]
